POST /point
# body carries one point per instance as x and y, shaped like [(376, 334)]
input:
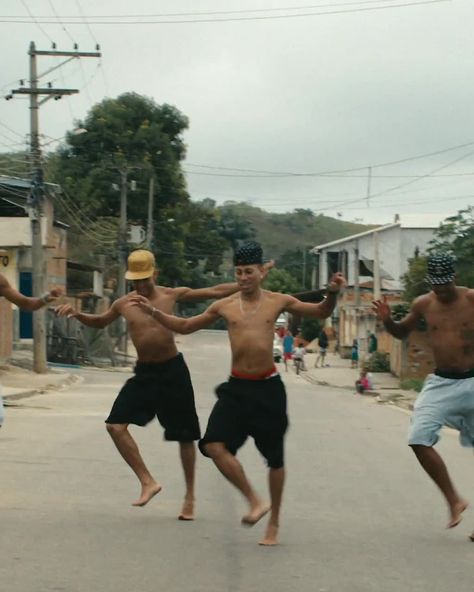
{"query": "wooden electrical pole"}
[(35, 199)]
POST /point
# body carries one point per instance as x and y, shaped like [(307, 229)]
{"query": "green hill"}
[(299, 229)]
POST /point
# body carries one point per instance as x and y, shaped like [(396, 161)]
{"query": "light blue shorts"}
[(443, 402)]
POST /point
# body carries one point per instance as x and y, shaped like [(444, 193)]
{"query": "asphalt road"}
[(359, 515)]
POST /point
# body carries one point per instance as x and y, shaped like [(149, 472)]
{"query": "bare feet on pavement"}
[(270, 539), (255, 514), (187, 512), (148, 491), (456, 513)]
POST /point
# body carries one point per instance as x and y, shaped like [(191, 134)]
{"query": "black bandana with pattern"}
[(441, 269), (249, 254)]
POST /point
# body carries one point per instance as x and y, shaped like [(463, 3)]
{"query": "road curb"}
[(68, 380)]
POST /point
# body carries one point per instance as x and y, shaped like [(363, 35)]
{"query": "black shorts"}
[(163, 390), (254, 408)]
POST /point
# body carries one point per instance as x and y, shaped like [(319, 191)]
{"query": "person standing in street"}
[(447, 396), (23, 302), (288, 341), (161, 386), (323, 343), (354, 354), (252, 402)]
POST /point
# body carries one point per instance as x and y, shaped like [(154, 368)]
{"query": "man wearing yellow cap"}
[(161, 385)]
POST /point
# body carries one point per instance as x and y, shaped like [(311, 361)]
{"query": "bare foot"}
[(456, 513), (255, 514), (270, 539), (187, 512), (148, 491)]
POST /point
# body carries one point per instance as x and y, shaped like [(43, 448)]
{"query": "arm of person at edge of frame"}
[(321, 310), (174, 323), (96, 321), (215, 292), (26, 302), (399, 329)]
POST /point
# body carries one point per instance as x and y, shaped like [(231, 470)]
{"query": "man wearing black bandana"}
[(447, 397), (253, 401)]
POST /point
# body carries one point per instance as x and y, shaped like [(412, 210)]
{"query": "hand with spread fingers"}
[(382, 309)]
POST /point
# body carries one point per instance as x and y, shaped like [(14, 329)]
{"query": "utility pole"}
[(35, 199), (356, 287), (123, 250), (304, 268), (149, 227), (377, 284)]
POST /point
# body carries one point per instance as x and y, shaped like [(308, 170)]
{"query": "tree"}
[(130, 134), (413, 280), (279, 280), (455, 235), (234, 227)]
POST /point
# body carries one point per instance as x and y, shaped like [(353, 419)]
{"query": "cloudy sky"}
[(292, 103)]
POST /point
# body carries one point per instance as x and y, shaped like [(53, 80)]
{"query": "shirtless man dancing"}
[(24, 303), (161, 385), (253, 401), (448, 394)]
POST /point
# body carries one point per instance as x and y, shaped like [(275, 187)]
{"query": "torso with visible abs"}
[(451, 330), (153, 342), (251, 330)]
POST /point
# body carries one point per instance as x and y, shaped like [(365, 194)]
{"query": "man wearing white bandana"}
[(447, 397)]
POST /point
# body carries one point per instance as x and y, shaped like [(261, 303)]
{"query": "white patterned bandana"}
[(441, 269), (249, 254)]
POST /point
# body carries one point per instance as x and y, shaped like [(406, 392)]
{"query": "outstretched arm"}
[(321, 310), (177, 324), (97, 321), (215, 292), (26, 302), (402, 328)]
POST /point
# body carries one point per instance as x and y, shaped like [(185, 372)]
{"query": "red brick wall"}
[(413, 357)]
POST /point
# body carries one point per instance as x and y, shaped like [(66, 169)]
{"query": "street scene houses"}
[(374, 263)]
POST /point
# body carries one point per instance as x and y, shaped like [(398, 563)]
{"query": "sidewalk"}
[(339, 374), (18, 383)]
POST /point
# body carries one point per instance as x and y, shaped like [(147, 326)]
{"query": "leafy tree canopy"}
[(129, 135), (455, 235), (279, 280)]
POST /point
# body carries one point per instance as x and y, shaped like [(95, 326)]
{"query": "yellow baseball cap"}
[(141, 265)]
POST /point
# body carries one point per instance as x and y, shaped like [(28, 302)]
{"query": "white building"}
[(372, 261), (381, 253)]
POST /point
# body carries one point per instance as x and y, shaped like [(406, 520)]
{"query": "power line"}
[(60, 22), (391, 189), (232, 19), (36, 21), (335, 171), (221, 12)]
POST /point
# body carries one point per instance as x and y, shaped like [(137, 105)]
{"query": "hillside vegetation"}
[(279, 233)]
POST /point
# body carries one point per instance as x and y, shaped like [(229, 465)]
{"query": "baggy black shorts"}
[(255, 408), (163, 390)]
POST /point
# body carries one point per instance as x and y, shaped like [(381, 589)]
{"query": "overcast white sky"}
[(374, 82)]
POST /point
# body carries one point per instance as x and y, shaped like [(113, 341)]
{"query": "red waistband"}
[(237, 374)]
